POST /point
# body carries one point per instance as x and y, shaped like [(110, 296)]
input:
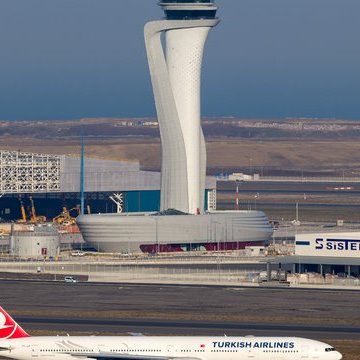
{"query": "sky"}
[(68, 59)]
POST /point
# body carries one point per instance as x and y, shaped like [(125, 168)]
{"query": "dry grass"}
[(324, 147), (285, 154), (349, 348), (145, 151), (222, 153)]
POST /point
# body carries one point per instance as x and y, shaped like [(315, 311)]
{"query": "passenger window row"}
[(119, 350), (283, 351)]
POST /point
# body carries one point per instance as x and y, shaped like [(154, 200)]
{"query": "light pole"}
[(216, 238), (188, 234), (237, 195), (256, 196), (217, 242), (156, 235)]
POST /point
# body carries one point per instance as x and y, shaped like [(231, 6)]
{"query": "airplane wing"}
[(115, 356)]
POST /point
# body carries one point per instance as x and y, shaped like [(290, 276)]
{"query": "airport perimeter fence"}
[(104, 272), (135, 259), (134, 273)]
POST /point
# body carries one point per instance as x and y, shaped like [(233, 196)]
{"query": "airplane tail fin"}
[(9, 328)]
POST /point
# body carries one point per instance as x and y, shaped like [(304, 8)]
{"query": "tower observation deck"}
[(188, 10), (175, 71)]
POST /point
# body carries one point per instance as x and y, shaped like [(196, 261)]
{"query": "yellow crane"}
[(32, 211), (23, 213), (65, 218), (33, 218)]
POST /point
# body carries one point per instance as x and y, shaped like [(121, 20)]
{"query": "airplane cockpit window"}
[(330, 349)]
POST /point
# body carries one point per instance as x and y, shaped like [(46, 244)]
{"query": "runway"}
[(182, 310)]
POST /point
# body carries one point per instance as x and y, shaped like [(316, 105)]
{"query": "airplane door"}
[(251, 354), (124, 348), (170, 351), (304, 352), (34, 351), (315, 354), (101, 348)]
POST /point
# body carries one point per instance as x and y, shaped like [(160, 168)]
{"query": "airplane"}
[(16, 343)]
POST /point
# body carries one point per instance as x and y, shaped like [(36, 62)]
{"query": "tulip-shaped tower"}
[(175, 71)]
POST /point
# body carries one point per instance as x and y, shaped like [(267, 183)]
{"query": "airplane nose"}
[(338, 355)]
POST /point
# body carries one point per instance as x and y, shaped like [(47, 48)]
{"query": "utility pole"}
[(82, 175), (237, 196)]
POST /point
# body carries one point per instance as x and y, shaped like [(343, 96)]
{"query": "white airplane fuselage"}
[(206, 348)]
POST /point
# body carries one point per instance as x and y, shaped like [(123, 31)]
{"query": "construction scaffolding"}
[(22, 172)]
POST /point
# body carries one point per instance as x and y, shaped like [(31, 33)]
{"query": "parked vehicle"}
[(77, 253), (70, 279)]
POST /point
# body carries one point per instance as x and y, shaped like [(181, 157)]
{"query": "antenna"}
[(82, 173)]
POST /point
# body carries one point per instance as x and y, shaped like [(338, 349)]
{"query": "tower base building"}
[(173, 231)]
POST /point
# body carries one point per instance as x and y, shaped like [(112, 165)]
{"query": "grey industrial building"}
[(53, 181)]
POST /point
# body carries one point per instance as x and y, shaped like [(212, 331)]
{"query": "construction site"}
[(43, 191)]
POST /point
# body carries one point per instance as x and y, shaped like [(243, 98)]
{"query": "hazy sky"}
[(267, 58)]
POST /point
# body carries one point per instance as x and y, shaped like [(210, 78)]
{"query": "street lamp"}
[(156, 235), (256, 196), (237, 196)]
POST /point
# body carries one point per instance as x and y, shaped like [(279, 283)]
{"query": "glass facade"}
[(186, 2), (177, 9), (190, 14)]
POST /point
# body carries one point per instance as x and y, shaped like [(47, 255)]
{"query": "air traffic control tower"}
[(175, 70)]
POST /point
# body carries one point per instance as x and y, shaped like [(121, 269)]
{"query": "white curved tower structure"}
[(175, 74)]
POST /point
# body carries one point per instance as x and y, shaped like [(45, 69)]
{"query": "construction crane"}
[(32, 211), (33, 218), (65, 218), (23, 213)]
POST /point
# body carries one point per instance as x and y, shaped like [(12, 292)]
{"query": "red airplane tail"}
[(9, 328)]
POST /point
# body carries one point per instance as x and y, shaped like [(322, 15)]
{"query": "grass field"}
[(349, 348), (222, 154), (232, 143)]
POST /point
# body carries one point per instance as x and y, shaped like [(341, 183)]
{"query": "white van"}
[(70, 279)]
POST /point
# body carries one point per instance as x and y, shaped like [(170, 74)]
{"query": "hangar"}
[(53, 181), (326, 253)]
